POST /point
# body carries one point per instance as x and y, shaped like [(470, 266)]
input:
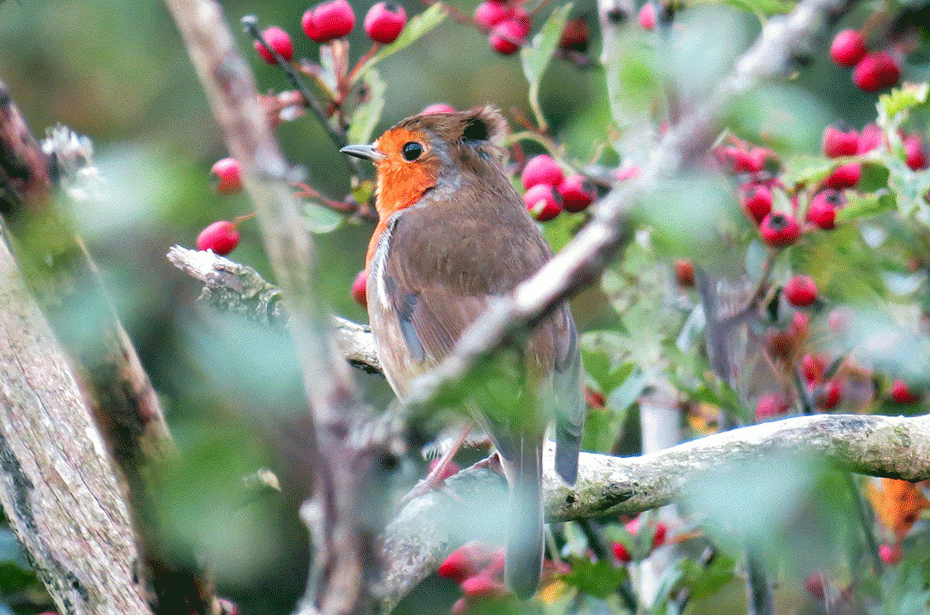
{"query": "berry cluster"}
[(549, 191), (621, 551), (507, 22), (478, 570), (222, 236), (872, 71)]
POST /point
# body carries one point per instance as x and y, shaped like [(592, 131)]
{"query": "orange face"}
[(405, 173)]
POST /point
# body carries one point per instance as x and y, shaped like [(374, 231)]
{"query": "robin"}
[(452, 235)]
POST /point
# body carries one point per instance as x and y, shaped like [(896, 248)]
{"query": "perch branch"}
[(422, 535)]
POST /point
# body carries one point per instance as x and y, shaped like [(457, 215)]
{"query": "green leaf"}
[(707, 580), (763, 7), (536, 56), (416, 28), (807, 170), (322, 219), (627, 393), (599, 579), (864, 205), (366, 115), (902, 99)]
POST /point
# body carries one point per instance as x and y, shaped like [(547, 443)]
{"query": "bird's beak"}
[(368, 152)]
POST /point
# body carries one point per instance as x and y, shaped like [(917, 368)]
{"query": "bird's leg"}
[(436, 476)]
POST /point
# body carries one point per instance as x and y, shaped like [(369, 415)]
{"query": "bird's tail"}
[(525, 543)]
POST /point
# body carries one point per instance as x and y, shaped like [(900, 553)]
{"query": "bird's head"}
[(435, 151)]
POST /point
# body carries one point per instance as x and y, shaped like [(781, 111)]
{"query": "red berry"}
[(577, 193), (465, 562), (837, 142), (384, 22), (507, 36), (801, 291), (277, 39), (647, 17), (902, 394), (770, 405), (523, 18), (814, 585), (460, 606), (359, 288), (870, 138), (620, 552), (541, 170), (914, 150), (222, 237), (227, 176), (328, 21), (876, 71), (799, 324), (658, 538), (845, 176), (779, 230), (848, 48), (684, 272), (481, 585), (437, 108), (575, 35), (489, 14), (813, 367), (829, 396), (756, 200), (451, 469), (889, 554), (543, 202), (822, 210)]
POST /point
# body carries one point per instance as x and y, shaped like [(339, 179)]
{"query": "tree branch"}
[(429, 527)]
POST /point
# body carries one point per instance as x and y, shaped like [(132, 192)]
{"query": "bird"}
[(453, 234)]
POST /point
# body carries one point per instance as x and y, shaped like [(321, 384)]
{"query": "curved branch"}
[(429, 527)]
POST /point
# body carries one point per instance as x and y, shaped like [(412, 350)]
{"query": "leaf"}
[(707, 580), (807, 169), (536, 56), (322, 219), (416, 28), (902, 99), (627, 393), (599, 579), (763, 7), (864, 205), (328, 68), (368, 113)]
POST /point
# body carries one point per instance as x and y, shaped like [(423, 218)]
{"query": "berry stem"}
[(866, 522), (807, 404), (355, 210), (338, 137), (353, 74), (240, 219)]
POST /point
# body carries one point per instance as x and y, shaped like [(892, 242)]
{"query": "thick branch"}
[(422, 534), (57, 485)]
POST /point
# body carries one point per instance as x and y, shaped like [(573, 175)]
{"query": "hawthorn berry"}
[(801, 291), (575, 35), (829, 395), (838, 142), (541, 169), (845, 176), (813, 367), (507, 36), (743, 160), (629, 171), (359, 288), (465, 562), (847, 48), (779, 230), (481, 585), (756, 200), (647, 17), (328, 21), (437, 108), (876, 71), (902, 394), (577, 193), (227, 176), (543, 202), (870, 138), (799, 323), (277, 39), (221, 236), (822, 210), (916, 157), (889, 554), (460, 606), (384, 22), (489, 13), (620, 552), (769, 405), (522, 17), (684, 272), (814, 585), (658, 538)]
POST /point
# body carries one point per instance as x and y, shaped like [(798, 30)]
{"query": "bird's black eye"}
[(412, 150)]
